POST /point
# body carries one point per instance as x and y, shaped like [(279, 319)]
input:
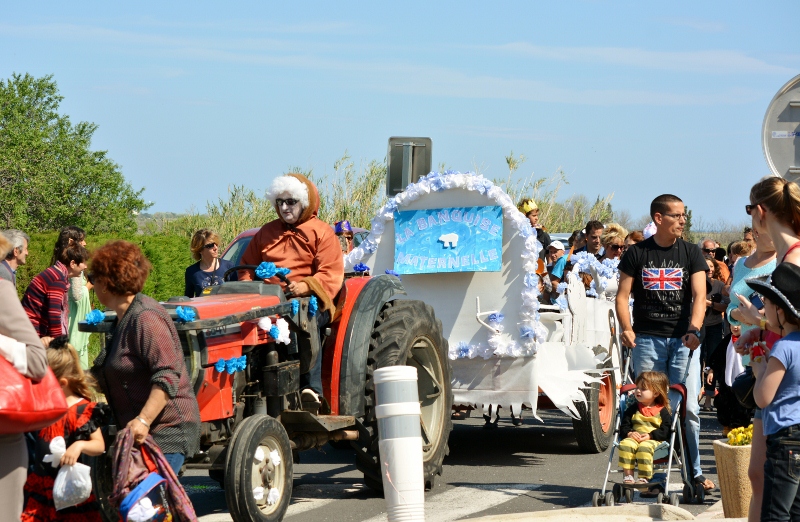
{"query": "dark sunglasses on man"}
[(709, 250)]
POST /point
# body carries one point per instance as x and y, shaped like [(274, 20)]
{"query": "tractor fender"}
[(353, 373)]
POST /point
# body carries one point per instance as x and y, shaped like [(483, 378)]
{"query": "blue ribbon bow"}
[(233, 365), (393, 273), (313, 306), (187, 315), (295, 306), (360, 268), (95, 317), (275, 332)]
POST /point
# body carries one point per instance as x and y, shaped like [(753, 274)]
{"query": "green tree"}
[(49, 178)]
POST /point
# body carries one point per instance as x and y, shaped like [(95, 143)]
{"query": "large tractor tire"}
[(259, 460), (595, 427), (407, 333), (103, 485)]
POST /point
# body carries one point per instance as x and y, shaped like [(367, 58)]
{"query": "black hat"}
[(782, 287)]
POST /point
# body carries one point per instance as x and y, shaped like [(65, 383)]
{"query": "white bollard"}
[(400, 443)]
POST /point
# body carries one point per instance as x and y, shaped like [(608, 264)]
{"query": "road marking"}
[(465, 500), (305, 497)]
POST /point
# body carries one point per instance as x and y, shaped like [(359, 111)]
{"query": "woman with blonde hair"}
[(775, 212), (613, 241), (209, 269)]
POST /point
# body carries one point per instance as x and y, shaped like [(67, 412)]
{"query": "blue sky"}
[(631, 98)]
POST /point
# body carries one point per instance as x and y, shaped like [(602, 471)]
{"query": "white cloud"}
[(703, 26), (719, 61), (414, 79)]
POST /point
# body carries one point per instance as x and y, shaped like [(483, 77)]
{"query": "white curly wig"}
[(288, 185)]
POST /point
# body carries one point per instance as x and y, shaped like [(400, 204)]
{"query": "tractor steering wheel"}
[(253, 267)]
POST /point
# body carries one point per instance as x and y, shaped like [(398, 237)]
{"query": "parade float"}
[(459, 244)]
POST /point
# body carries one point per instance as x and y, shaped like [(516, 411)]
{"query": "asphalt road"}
[(534, 467)]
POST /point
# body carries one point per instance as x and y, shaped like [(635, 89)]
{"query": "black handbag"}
[(743, 386)]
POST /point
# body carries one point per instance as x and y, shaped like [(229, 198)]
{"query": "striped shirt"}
[(45, 301), (146, 351)]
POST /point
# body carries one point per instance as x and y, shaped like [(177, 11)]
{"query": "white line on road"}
[(305, 497), (464, 500)]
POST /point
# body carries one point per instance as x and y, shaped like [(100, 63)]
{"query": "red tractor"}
[(253, 421)]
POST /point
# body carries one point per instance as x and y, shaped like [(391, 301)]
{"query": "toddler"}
[(645, 424), (81, 432)]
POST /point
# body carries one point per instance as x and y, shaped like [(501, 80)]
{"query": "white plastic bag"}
[(73, 485)]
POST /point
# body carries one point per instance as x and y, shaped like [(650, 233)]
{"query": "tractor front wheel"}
[(258, 471), (407, 333)]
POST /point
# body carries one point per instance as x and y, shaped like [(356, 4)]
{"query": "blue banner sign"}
[(460, 239)]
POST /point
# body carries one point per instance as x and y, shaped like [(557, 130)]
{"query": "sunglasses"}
[(288, 202), (709, 250), (617, 247), (209, 246), (750, 208)]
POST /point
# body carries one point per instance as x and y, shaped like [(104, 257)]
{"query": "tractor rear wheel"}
[(407, 333), (103, 485), (595, 427)]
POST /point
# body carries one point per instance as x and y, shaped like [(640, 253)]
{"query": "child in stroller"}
[(645, 424)]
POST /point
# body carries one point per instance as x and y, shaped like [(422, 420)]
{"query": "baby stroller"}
[(665, 453)]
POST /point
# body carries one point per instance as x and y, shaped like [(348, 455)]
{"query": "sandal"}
[(628, 479), (642, 480), (707, 484)]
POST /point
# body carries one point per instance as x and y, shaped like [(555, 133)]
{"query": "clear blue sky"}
[(632, 98)]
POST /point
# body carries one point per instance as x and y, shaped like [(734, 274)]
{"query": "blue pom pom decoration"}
[(496, 318), (393, 273), (313, 306), (282, 271), (295, 306), (360, 268), (274, 332), (95, 317), (236, 364), (266, 270), (186, 315), (526, 332)]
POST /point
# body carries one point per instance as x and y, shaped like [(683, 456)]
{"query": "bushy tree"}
[(49, 178)]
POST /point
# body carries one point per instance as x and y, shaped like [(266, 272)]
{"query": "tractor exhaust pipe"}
[(307, 440)]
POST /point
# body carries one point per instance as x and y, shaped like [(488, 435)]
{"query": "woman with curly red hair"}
[(141, 371)]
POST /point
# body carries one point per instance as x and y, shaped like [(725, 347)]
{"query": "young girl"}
[(777, 391), (645, 424), (80, 429)]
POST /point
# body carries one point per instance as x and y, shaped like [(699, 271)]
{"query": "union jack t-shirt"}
[(662, 290), (662, 278)]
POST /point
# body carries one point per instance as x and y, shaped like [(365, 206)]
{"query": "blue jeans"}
[(670, 356), (781, 499), (175, 461)]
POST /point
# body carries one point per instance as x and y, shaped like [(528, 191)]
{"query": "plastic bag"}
[(73, 485)]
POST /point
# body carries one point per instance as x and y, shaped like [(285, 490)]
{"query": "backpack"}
[(146, 466)]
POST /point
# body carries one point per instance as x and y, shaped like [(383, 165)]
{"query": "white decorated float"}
[(459, 243)]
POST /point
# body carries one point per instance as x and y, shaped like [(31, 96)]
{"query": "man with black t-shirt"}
[(667, 278)]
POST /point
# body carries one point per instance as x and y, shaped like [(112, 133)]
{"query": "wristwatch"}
[(696, 333)]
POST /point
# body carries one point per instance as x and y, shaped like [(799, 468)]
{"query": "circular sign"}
[(780, 135)]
